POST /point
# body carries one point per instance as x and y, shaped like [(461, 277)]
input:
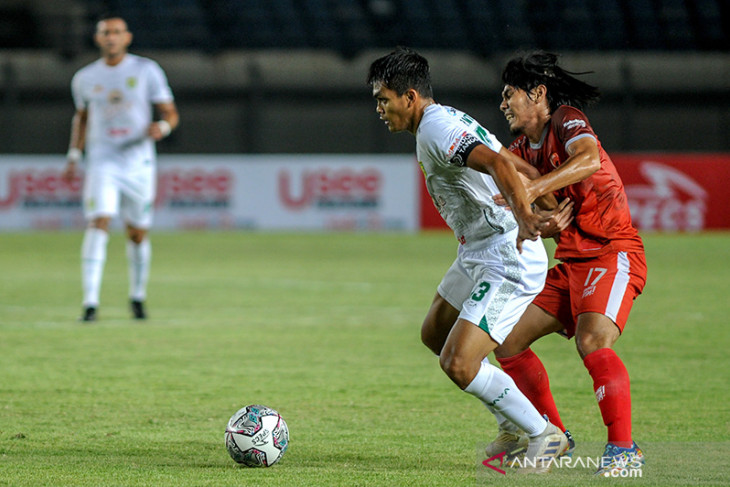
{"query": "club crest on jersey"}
[(131, 82), (554, 159)]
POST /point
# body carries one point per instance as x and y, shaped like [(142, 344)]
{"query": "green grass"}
[(324, 328)]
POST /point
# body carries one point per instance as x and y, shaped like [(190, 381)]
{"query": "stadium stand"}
[(288, 75), (350, 26)]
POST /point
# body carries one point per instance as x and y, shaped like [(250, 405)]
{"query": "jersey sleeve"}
[(451, 143), (571, 124), (159, 89), (77, 92)]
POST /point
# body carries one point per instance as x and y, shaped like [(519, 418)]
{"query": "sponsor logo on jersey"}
[(458, 148), (131, 82), (455, 143), (576, 122), (115, 96)]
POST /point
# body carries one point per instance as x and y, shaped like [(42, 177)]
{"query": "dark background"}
[(258, 76)]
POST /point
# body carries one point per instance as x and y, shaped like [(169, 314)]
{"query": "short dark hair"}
[(527, 71), (402, 70), (109, 15)]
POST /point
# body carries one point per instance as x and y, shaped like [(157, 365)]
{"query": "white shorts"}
[(109, 191), (492, 287)]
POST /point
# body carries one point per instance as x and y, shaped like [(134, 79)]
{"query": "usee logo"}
[(39, 188), (670, 201), (330, 188), (195, 187)]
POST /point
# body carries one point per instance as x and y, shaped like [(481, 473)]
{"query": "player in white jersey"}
[(116, 98), (500, 266)]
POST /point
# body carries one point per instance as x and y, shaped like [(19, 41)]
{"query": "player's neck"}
[(535, 130), (114, 59), (424, 103)]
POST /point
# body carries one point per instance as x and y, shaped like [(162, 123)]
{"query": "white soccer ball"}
[(256, 436)]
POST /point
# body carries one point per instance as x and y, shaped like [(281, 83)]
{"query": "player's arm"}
[(546, 201), (169, 118), (76, 144), (485, 160), (584, 159)]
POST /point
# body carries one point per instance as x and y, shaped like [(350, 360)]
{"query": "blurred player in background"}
[(501, 264), (602, 268), (115, 98)]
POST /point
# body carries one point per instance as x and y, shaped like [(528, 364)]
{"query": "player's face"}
[(518, 109), (393, 109), (112, 37)]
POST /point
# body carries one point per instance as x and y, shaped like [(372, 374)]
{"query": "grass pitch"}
[(325, 329)]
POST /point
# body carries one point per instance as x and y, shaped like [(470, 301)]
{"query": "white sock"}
[(139, 257), (497, 415), (498, 391), (93, 257)]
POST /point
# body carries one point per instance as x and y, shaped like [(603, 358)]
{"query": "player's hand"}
[(526, 182), (531, 227), (69, 172), (559, 218), (158, 130)]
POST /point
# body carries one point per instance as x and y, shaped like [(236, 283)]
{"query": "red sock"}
[(612, 389), (531, 378)]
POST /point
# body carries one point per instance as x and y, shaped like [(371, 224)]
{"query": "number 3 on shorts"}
[(481, 292)]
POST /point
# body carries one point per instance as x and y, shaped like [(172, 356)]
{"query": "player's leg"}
[(101, 203), (139, 257), (527, 370), (505, 284), (608, 286), (436, 326), (136, 209), (452, 291), (462, 358), (93, 259)]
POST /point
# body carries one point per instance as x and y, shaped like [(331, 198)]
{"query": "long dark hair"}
[(530, 70), (402, 70)]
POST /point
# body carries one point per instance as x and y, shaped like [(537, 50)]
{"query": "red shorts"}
[(607, 284)]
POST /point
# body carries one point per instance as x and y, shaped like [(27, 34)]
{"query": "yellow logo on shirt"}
[(131, 82)]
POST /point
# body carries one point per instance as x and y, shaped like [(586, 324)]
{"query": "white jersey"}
[(119, 100), (463, 196)]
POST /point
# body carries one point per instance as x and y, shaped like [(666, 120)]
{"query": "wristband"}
[(74, 154), (165, 128)]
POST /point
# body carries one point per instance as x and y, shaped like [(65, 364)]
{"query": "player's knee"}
[(588, 343), (136, 235), (100, 223), (460, 369)]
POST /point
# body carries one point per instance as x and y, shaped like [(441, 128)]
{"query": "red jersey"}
[(602, 222)]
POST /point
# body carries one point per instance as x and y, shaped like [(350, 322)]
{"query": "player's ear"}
[(411, 96), (539, 93)]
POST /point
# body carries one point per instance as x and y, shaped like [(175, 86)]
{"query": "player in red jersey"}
[(602, 269)]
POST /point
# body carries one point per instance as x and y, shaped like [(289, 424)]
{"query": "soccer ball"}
[(256, 436)]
